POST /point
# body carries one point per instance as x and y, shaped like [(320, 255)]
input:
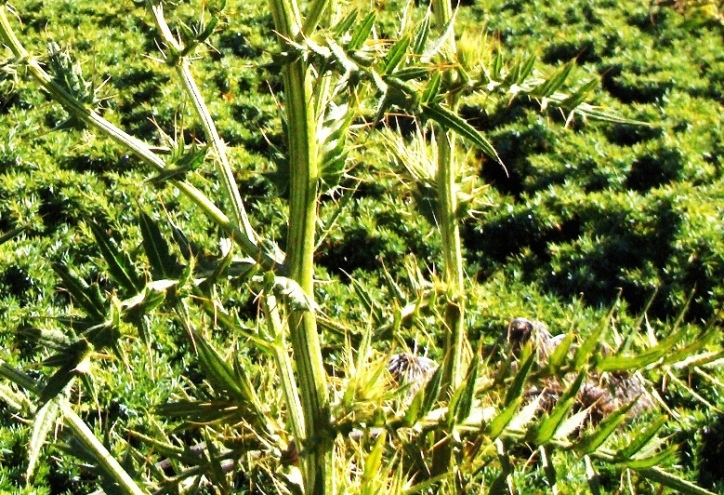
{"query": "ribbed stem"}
[(447, 172), (304, 178)]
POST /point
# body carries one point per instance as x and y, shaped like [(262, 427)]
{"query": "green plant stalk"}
[(448, 223), (304, 178), (140, 149), (284, 366), (100, 453), (223, 168), (449, 228), (446, 179)]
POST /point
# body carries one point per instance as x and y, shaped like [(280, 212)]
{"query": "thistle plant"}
[(363, 428)]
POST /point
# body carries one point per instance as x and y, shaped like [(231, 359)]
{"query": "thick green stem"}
[(304, 177), (450, 231), (452, 253), (446, 179)]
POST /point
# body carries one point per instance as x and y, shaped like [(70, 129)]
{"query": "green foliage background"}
[(588, 216)]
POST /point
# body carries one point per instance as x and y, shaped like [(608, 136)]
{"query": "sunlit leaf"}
[(362, 32), (43, 423), (451, 121)]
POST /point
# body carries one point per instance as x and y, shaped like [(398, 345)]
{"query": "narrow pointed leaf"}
[(527, 414), (467, 397), (558, 356), (572, 424), (498, 424), (642, 439), (396, 55), (549, 425), (595, 439), (667, 456), (222, 375), (432, 89), (345, 24), (526, 69), (60, 380), (413, 410), (584, 352), (374, 459), (163, 264), (697, 345), (515, 390), (420, 40), (642, 359), (672, 481), (120, 266), (431, 391), (216, 472), (11, 233), (579, 96), (43, 423), (497, 66), (552, 84), (451, 121), (362, 32), (86, 296)]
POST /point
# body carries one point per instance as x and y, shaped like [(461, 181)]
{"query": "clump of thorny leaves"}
[(532, 405)]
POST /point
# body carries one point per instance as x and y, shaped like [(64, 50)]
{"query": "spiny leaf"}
[(163, 264), (413, 72), (223, 376), (430, 95), (642, 359), (579, 96), (497, 68), (553, 83), (465, 403), (557, 357), (345, 24), (86, 296), (396, 55), (412, 414), (58, 382), (527, 414), (572, 424), (549, 425), (11, 233), (43, 423), (431, 391), (420, 40), (498, 424), (525, 70), (451, 121), (674, 482), (584, 352), (217, 474), (120, 266), (206, 412), (691, 349), (361, 33), (595, 439), (374, 459), (642, 439), (667, 456), (515, 390)]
